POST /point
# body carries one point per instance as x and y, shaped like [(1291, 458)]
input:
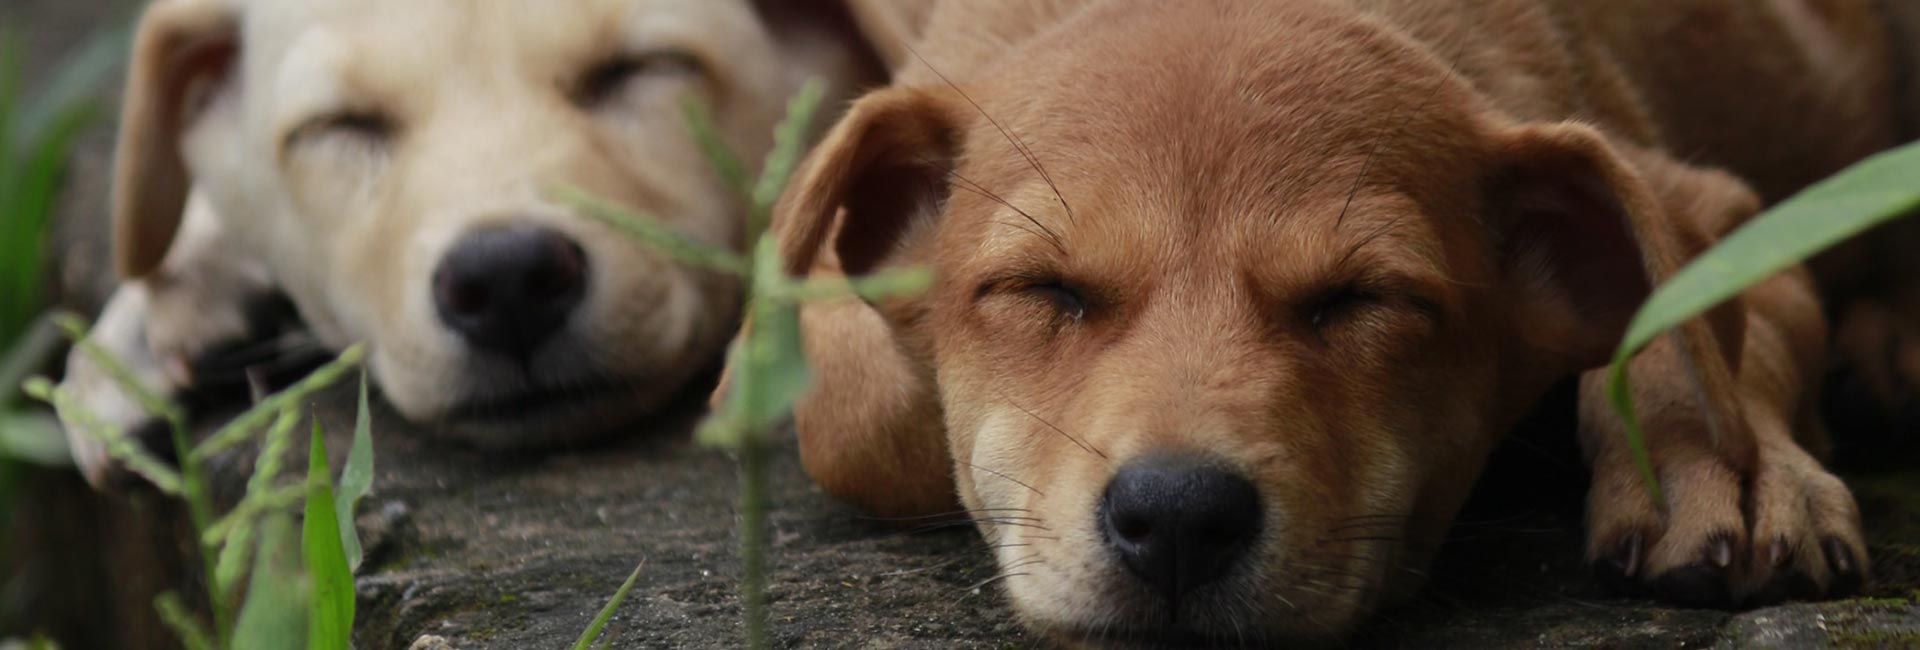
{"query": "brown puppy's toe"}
[(1814, 546)]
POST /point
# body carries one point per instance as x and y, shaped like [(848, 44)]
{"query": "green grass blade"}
[(261, 496), (242, 427), (76, 329), (330, 615), (675, 244), (789, 144), (356, 479), (275, 614), (118, 445), (188, 629), (718, 154), (606, 613), (1877, 190), (30, 203)]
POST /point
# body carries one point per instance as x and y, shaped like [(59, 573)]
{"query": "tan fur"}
[(237, 104), (1500, 179)]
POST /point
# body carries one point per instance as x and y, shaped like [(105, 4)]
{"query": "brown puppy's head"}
[(1231, 306), (392, 164)]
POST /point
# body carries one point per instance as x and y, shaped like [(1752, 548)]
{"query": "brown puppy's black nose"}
[(507, 289), (1179, 522)]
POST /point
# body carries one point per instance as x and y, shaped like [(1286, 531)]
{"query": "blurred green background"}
[(60, 66)]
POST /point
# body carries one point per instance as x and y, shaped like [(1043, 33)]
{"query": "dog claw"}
[(1720, 552), (1779, 553), (1615, 571), (1847, 578)]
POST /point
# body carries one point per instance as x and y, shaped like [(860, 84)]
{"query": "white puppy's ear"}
[(183, 52), (871, 431)]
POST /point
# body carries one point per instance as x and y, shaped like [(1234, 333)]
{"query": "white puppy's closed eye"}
[(611, 84)]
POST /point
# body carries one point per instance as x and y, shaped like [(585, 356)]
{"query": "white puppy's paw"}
[(96, 408)]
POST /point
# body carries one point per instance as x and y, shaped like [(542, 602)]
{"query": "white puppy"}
[(386, 167)]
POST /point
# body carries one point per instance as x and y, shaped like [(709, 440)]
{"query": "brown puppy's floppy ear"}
[(183, 49), (871, 432), (1587, 227), (1594, 225)]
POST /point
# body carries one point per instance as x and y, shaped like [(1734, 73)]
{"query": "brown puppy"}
[(1235, 297)]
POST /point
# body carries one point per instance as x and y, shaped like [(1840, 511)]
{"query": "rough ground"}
[(511, 552)]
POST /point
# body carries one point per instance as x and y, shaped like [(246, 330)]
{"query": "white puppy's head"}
[(391, 163)]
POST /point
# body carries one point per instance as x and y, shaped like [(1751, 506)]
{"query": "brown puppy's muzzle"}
[(1179, 522)]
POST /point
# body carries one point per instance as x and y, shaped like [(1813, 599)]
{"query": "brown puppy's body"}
[(1235, 297)]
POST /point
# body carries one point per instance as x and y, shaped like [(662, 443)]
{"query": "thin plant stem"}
[(193, 485), (753, 535)]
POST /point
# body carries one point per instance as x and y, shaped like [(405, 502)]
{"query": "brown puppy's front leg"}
[(1732, 530)]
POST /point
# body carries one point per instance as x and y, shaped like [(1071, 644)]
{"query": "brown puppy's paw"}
[(1807, 531), (1686, 553), (1790, 533)]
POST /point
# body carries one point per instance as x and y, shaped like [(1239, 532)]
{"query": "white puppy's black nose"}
[(507, 289), (1178, 522)]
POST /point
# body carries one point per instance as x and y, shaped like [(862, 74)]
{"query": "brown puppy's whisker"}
[(1083, 445), (1374, 151), (1019, 145), (970, 185), (1015, 481)]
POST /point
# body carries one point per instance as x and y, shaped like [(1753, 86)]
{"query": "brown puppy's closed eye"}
[(1234, 299)]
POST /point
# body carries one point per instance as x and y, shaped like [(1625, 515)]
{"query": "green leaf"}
[(175, 614), (33, 437), (356, 479), (31, 201), (275, 614), (606, 613), (1875, 191), (769, 369), (331, 613)]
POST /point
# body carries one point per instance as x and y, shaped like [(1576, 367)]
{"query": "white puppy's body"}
[(388, 167)]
